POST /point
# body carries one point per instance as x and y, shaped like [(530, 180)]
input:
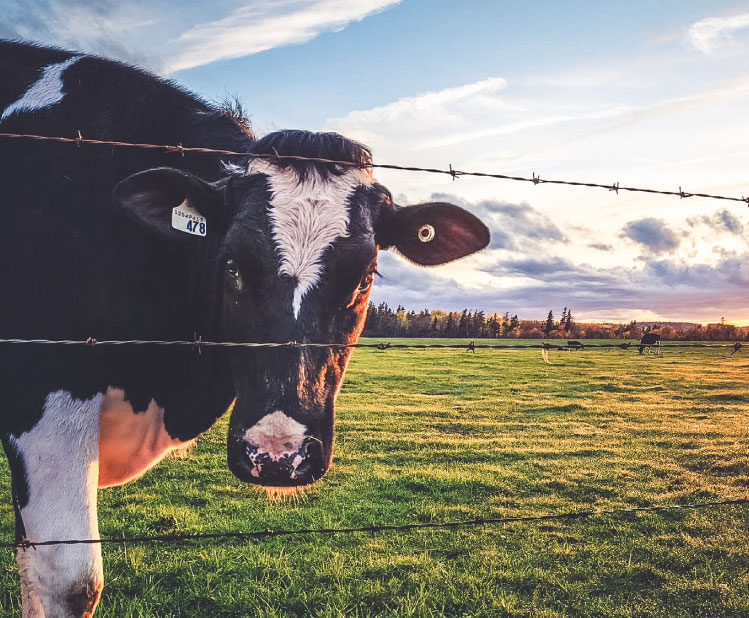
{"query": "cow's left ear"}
[(151, 197), (431, 234)]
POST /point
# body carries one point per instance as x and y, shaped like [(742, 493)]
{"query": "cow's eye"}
[(233, 275), (366, 282)]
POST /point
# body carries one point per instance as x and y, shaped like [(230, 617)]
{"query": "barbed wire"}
[(454, 173), (199, 343), (374, 528)]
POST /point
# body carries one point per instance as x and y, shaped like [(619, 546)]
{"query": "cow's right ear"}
[(431, 234), (152, 196)]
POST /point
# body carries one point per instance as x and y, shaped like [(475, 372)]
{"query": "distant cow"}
[(650, 340), (575, 345), (117, 243)]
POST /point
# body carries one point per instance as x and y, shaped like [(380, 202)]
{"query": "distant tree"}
[(478, 324), (463, 324), (492, 326), (549, 326), (450, 325), (514, 324), (563, 320)]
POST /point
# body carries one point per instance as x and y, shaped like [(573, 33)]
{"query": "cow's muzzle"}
[(276, 451)]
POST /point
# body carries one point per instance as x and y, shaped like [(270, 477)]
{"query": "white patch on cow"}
[(44, 92), (276, 435), (31, 604), (307, 216), (130, 442), (61, 457)]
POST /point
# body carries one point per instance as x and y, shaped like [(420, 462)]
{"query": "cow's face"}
[(294, 262)]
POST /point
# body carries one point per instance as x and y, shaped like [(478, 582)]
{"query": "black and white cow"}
[(117, 243), (650, 340)]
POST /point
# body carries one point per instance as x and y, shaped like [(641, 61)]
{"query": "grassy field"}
[(437, 435)]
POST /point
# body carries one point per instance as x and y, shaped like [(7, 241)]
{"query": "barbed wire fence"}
[(454, 173), (197, 344), (375, 528)]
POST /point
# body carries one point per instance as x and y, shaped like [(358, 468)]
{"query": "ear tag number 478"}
[(187, 219)]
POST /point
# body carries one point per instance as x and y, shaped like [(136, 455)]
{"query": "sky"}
[(645, 94)]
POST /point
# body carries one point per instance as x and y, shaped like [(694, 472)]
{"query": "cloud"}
[(106, 29), (666, 108), (513, 226), (713, 34), (653, 234), (436, 109), (263, 25), (171, 38), (600, 246), (461, 114), (720, 221), (530, 274), (665, 288)]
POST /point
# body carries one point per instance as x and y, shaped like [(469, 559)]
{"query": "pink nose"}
[(299, 467)]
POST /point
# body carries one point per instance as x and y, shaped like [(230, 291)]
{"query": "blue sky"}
[(646, 94)]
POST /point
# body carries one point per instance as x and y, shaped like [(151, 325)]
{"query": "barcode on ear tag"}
[(188, 220)]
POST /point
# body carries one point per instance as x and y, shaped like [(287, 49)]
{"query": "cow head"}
[(292, 248)]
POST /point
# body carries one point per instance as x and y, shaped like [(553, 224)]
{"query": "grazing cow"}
[(575, 345), (650, 340), (122, 243), (545, 347)]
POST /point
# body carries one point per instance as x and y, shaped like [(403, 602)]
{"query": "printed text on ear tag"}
[(188, 220)]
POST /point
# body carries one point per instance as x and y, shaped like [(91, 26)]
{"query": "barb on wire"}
[(452, 525), (450, 171)]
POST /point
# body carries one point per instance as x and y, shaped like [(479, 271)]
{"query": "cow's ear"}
[(431, 234), (152, 196)]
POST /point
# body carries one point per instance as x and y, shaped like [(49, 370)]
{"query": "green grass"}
[(437, 435)]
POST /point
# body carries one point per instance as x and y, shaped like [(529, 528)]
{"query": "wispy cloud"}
[(659, 110), (169, 38), (437, 109), (108, 29), (461, 114), (263, 25), (714, 34)]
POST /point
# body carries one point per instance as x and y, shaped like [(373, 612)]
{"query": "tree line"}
[(384, 321)]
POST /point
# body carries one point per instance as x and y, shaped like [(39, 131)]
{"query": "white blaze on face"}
[(44, 92), (307, 216)]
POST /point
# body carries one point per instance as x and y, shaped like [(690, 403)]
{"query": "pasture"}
[(439, 435)]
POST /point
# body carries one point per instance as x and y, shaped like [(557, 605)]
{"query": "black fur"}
[(649, 339), (313, 145), (73, 266)]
